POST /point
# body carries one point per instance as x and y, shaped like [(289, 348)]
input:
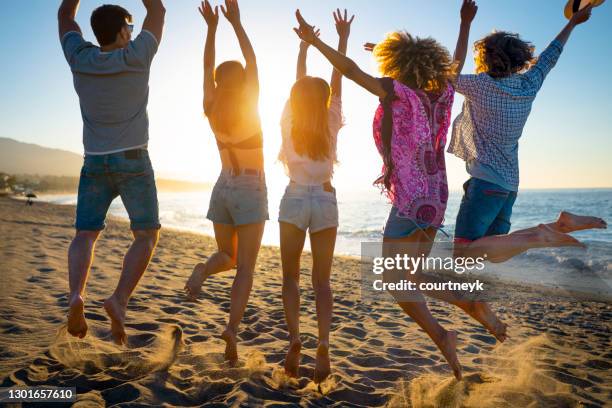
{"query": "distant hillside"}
[(54, 169), (24, 158)]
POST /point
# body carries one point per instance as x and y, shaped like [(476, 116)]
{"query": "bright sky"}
[(567, 141)]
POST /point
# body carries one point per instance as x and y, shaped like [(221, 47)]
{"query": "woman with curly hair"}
[(410, 128), (498, 100)]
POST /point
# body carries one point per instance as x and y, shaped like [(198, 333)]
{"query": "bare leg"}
[(249, 242), (500, 248), (479, 311), (445, 340), (135, 263), (222, 260), (291, 245), (568, 222), (322, 244), (417, 244), (80, 257), (552, 234)]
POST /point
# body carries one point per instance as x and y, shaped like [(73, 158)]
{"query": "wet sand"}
[(558, 353)]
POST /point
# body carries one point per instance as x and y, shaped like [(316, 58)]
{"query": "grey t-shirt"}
[(113, 90)]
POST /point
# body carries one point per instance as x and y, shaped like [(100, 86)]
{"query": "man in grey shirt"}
[(112, 83)]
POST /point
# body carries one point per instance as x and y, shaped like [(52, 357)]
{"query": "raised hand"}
[(343, 23), (305, 31), (148, 3), (468, 11), (210, 16), (304, 45), (231, 11), (582, 16), (369, 46)]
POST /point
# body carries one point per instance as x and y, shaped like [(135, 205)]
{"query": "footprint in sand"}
[(598, 364), (168, 320), (354, 332), (95, 316), (141, 340), (370, 361), (485, 339), (122, 394), (143, 326), (198, 338), (247, 335)]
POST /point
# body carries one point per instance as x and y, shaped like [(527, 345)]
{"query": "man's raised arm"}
[(154, 21), (66, 17), (468, 12)]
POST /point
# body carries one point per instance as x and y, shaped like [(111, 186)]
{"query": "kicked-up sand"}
[(558, 353)]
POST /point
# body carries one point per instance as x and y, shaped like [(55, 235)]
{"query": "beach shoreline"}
[(594, 293), (557, 353)]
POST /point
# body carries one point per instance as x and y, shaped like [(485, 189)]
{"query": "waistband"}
[(131, 154), (242, 172), (327, 187)]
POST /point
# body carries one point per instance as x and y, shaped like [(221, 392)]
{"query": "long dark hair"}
[(386, 134), (231, 103)]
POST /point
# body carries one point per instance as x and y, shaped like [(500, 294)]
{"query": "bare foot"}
[(322, 364), (569, 222), (552, 238), (292, 360), (448, 347), (193, 287), (116, 312), (77, 326), (231, 346), (481, 312)]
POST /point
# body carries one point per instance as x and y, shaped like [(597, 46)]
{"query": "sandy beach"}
[(558, 353)]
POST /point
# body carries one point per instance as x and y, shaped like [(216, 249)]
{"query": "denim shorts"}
[(399, 227), (309, 208), (485, 210), (239, 200), (128, 175)]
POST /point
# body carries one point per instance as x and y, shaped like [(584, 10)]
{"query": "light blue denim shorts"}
[(309, 208), (239, 200), (400, 227)]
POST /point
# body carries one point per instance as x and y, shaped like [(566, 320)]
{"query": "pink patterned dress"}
[(419, 124)]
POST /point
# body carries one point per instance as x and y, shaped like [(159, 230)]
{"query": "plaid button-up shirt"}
[(494, 114)]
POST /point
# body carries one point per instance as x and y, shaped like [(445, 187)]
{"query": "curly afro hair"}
[(501, 54), (420, 63)]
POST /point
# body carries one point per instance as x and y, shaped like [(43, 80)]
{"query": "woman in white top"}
[(309, 126)]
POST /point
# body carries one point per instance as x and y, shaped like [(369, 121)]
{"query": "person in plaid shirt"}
[(498, 100)]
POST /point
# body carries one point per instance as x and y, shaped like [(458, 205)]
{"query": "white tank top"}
[(302, 169)]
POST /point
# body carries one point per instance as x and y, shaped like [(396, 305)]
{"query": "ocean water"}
[(363, 214)]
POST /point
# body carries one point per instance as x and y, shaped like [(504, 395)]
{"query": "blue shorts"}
[(128, 175), (485, 210), (399, 227), (239, 200), (309, 207)]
